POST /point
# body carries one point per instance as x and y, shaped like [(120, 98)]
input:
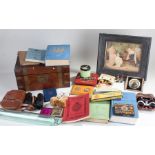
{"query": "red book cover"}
[(77, 108), (91, 81)]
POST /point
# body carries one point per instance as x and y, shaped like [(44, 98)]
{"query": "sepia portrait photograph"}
[(123, 56)]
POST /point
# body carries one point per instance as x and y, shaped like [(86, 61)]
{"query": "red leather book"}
[(91, 81), (77, 108)]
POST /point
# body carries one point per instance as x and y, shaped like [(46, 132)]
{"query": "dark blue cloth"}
[(48, 93)]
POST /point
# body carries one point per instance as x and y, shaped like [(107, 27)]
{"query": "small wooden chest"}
[(38, 77)]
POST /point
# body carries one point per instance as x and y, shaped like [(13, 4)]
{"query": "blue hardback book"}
[(35, 55), (57, 55), (128, 98), (48, 93)]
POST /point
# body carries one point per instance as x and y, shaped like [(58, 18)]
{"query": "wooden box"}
[(38, 77)]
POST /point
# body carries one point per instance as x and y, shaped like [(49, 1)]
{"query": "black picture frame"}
[(145, 43)]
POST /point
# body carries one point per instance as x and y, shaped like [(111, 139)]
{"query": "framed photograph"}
[(134, 83), (123, 55)]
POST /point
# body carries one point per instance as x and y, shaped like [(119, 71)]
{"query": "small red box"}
[(91, 81)]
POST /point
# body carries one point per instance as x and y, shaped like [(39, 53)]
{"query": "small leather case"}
[(91, 81), (124, 110), (13, 100)]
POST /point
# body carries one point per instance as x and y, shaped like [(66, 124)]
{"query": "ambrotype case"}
[(38, 77), (124, 110)]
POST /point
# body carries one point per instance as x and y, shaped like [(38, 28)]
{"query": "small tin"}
[(85, 71)]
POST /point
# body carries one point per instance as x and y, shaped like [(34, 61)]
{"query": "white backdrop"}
[(84, 49), (84, 44), (73, 14)]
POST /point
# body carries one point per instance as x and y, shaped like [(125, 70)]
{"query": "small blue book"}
[(57, 55), (48, 93), (35, 55), (130, 102)]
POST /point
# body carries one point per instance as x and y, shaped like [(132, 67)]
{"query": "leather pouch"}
[(13, 100)]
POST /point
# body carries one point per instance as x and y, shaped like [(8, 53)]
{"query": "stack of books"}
[(100, 98), (118, 107), (107, 103), (124, 110), (100, 106), (54, 55)]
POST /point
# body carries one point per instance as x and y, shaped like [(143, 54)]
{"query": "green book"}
[(99, 111)]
